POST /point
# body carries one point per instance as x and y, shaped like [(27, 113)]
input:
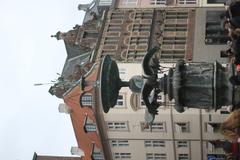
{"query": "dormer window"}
[(89, 125), (86, 100), (96, 153)]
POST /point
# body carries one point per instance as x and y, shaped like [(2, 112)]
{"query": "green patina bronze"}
[(110, 83), (192, 85)]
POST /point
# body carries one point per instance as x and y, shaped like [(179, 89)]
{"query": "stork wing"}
[(149, 63)]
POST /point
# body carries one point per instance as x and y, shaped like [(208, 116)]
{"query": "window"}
[(97, 156), (154, 143), (176, 48), (96, 153), (122, 74), (176, 15), (212, 127), (122, 71), (182, 2), (130, 2), (144, 15), (213, 148), (182, 127), (148, 143), (111, 40), (172, 55), (86, 100), (214, 34), (216, 1), (122, 156), (117, 126), (182, 144), (141, 28), (136, 55), (156, 156), (157, 143), (119, 143), (175, 27), (120, 101), (159, 127), (89, 125), (139, 41), (157, 2), (183, 157), (114, 28), (174, 40), (117, 15), (156, 127)]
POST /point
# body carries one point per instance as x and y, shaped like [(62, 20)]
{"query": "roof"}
[(72, 61), (74, 50)]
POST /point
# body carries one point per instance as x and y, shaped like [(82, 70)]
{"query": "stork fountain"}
[(192, 85)]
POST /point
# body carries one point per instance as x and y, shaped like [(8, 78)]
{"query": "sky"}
[(29, 117)]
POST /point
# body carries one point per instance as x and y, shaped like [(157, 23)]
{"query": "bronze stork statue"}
[(192, 85), (151, 87)]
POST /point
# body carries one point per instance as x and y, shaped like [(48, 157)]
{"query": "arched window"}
[(86, 100)]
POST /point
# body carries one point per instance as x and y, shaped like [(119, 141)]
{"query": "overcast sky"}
[(29, 117)]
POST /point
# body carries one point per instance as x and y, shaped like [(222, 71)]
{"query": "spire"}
[(58, 35)]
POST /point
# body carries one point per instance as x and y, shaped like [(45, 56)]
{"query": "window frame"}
[(158, 2), (113, 126), (152, 143), (122, 155), (183, 156), (89, 126), (182, 144), (180, 128), (96, 153), (154, 128), (156, 156), (187, 2), (119, 143), (213, 129), (86, 99), (121, 102), (130, 2)]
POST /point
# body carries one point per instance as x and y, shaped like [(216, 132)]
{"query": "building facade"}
[(129, 33), (126, 30), (168, 3)]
